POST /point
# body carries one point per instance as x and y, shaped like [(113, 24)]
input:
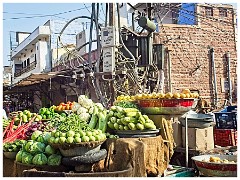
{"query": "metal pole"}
[(229, 78), (186, 140), (215, 78)]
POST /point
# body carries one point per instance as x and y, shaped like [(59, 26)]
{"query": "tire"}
[(85, 159)]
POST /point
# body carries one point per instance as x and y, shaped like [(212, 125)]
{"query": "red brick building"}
[(190, 49)]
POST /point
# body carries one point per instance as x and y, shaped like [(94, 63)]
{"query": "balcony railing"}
[(28, 68)]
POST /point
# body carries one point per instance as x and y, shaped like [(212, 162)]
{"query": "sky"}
[(27, 17)]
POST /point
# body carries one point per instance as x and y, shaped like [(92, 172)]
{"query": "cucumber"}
[(102, 122), (93, 122)]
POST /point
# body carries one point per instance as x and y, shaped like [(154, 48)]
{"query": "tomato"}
[(67, 107), (63, 107)]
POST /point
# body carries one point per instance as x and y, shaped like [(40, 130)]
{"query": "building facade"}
[(199, 53)]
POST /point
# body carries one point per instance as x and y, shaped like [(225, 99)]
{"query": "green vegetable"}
[(132, 126), (46, 136), (120, 127), (40, 159), (92, 138), (27, 158), (35, 135), (51, 140), (82, 133), (49, 150), (113, 119), (140, 126), (131, 114), (149, 126), (77, 140), (119, 109), (37, 147), (62, 140), (93, 122), (116, 126), (126, 128), (70, 133), (69, 140), (130, 110), (56, 140), (102, 122), (126, 104), (28, 145), (40, 139), (62, 134), (85, 139), (54, 160), (119, 121), (110, 125), (19, 156)]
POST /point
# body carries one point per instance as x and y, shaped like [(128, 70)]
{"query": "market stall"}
[(84, 139)]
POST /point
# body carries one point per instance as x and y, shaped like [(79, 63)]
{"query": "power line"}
[(47, 15)]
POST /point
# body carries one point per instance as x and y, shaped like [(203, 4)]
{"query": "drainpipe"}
[(229, 78), (214, 77), (169, 70)]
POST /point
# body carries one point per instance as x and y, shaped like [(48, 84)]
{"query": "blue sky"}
[(21, 10), (29, 23)]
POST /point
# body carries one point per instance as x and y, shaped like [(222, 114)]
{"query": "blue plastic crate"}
[(231, 108), (226, 120)]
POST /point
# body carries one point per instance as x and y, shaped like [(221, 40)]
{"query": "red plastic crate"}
[(225, 137)]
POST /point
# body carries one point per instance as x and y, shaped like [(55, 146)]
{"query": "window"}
[(28, 61), (208, 11), (222, 12)]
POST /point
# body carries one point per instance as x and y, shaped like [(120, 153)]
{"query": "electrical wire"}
[(47, 15)]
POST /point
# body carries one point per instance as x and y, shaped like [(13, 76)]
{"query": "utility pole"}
[(111, 14)]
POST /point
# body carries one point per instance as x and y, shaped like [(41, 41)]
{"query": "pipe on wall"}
[(229, 78), (214, 78)]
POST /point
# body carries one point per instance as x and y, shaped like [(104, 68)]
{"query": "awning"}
[(36, 78)]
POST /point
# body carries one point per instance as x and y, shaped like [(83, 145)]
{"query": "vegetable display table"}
[(142, 157)]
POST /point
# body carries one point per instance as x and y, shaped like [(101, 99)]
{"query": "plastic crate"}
[(226, 120), (231, 108), (225, 137)]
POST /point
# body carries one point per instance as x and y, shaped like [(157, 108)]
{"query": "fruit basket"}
[(10, 155), (167, 106), (215, 169), (77, 149)]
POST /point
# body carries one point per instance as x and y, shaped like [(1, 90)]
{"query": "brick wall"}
[(189, 47)]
